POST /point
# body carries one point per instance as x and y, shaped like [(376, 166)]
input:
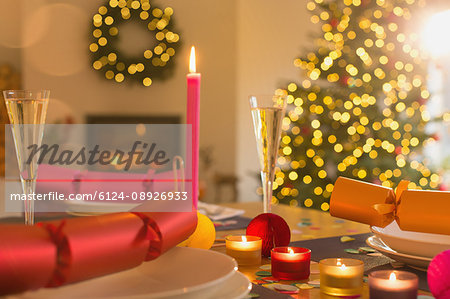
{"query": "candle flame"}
[(339, 262), (392, 276), (192, 66), (290, 251), (343, 267), (244, 238)]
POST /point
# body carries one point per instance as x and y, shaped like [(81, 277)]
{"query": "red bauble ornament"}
[(398, 150), (438, 275), (272, 229)]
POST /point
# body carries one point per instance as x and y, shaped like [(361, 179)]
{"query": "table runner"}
[(333, 248)]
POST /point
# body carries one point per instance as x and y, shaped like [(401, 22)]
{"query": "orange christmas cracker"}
[(414, 210), (424, 211)]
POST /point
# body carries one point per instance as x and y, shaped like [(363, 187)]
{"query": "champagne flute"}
[(27, 111), (267, 112)]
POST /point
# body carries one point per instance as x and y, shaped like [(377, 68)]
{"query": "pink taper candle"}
[(193, 119)]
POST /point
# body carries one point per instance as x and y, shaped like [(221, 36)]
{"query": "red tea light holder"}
[(290, 263), (387, 284)]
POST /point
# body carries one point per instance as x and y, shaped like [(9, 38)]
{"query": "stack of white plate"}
[(182, 273), (411, 248)]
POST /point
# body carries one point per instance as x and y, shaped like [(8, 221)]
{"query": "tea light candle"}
[(387, 284), (341, 276), (246, 250), (290, 263)]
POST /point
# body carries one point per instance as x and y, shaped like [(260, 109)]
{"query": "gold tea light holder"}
[(341, 276)]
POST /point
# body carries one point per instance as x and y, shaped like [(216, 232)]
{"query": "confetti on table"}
[(314, 227), (285, 288), (252, 295), (270, 279), (257, 281), (352, 230), (397, 265), (296, 231), (376, 254), (224, 223), (263, 273), (352, 251), (314, 282), (304, 286), (367, 249), (266, 267), (303, 224), (339, 221), (347, 239), (306, 219)]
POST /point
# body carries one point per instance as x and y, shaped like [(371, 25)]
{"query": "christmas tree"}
[(361, 111)]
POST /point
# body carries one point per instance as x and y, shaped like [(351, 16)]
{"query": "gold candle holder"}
[(341, 276), (246, 250)]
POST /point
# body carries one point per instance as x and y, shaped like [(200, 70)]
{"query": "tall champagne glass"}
[(27, 111), (267, 112)]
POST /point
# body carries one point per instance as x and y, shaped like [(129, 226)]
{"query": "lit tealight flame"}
[(343, 267), (192, 67), (290, 251), (338, 262), (244, 238), (392, 276)]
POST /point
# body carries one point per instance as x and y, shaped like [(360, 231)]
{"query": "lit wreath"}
[(154, 64)]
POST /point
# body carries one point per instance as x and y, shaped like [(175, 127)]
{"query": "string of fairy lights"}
[(367, 118)]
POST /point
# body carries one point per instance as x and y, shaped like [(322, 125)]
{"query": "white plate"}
[(419, 244), (180, 273), (96, 208), (417, 262)]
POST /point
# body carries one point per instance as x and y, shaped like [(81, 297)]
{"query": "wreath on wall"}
[(155, 62)]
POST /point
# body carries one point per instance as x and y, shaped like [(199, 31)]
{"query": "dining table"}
[(321, 225)]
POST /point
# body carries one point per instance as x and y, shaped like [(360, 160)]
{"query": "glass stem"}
[(267, 182), (28, 188)]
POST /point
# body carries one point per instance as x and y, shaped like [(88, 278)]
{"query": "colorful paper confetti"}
[(257, 281), (270, 279), (314, 227), (266, 267), (303, 224), (252, 295), (352, 251), (263, 273), (314, 282), (304, 286), (339, 221), (285, 288), (367, 249), (345, 239)]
